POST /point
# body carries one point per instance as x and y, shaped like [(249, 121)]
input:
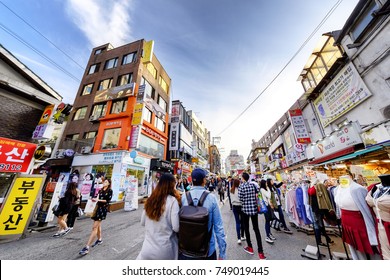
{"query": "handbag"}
[(79, 212), (261, 206), (90, 208)]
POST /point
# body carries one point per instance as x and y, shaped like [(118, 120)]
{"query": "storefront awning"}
[(353, 155), (338, 154)]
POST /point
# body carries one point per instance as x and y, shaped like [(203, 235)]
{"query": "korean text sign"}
[(19, 204), (15, 156)]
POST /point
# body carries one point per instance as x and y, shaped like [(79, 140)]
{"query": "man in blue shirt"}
[(215, 218)]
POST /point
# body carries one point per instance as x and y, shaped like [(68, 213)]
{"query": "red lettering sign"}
[(15, 156)]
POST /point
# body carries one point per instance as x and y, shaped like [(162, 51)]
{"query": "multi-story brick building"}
[(120, 116)]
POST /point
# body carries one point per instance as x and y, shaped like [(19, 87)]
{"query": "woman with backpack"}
[(161, 220)]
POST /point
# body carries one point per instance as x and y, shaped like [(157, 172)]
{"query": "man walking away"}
[(215, 224), (247, 194)]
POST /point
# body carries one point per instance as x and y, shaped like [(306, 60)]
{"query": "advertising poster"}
[(117, 185), (131, 194), (86, 186)]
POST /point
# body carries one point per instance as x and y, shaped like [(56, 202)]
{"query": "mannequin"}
[(379, 199), (356, 219)]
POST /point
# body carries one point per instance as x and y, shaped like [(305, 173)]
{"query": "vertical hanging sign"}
[(298, 123)]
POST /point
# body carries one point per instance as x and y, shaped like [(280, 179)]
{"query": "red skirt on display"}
[(355, 232)]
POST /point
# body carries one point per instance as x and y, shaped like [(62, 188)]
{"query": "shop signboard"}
[(15, 156), (19, 204), (43, 131), (298, 123), (117, 185), (137, 114), (347, 136), (342, 94), (154, 107), (175, 115), (114, 93), (46, 114), (377, 135), (141, 93), (174, 137), (135, 131)]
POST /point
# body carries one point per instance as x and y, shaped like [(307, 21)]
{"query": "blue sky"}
[(220, 54)]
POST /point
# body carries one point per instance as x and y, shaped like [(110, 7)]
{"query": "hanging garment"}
[(380, 204), (306, 202), (292, 207), (323, 197), (301, 208)]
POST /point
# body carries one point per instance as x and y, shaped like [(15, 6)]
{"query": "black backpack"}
[(194, 236)]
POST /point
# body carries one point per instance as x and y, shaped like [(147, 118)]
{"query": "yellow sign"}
[(19, 204), (46, 114), (137, 115), (148, 52)]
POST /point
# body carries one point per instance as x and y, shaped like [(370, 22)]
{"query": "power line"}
[(47, 39), (6, 29), (330, 12)]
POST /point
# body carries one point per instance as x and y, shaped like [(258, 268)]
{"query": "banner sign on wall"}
[(15, 156), (342, 94), (174, 137), (299, 127)]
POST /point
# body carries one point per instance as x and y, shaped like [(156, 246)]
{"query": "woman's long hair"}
[(155, 204), (263, 184), (71, 188), (270, 185), (235, 185)]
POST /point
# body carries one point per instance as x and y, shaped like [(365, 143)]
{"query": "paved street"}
[(123, 236)]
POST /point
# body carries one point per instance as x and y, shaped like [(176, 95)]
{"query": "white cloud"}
[(102, 21)]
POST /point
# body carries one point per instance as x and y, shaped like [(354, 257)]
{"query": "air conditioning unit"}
[(86, 149), (94, 118)]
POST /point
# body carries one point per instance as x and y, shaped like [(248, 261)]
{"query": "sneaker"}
[(239, 241), (286, 230), (262, 257), (271, 236), (64, 232), (269, 240), (249, 250), (84, 251), (243, 238), (57, 234), (97, 242)]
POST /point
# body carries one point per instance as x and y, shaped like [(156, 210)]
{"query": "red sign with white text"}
[(15, 156)]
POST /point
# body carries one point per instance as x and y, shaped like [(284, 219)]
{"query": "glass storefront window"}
[(140, 175), (151, 147), (5, 184), (111, 138)]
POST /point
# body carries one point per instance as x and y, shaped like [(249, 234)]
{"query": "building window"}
[(112, 63), (124, 79), (94, 68), (160, 124), (147, 115), (128, 58), (151, 147), (87, 89), (119, 106), (152, 70), (105, 84), (99, 110), (90, 134), (99, 51), (73, 137), (80, 113), (364, 20), (163, 84), (162, 103), (111, 138), (149, 90)]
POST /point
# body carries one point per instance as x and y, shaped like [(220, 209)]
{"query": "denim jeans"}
[(239, 221)]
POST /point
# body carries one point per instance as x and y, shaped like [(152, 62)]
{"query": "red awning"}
[(332, 156)]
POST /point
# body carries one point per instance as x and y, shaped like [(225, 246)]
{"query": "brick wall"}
[(17, 120)]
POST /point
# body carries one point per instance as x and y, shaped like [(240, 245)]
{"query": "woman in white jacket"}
[(266, 193), (161, 220)]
